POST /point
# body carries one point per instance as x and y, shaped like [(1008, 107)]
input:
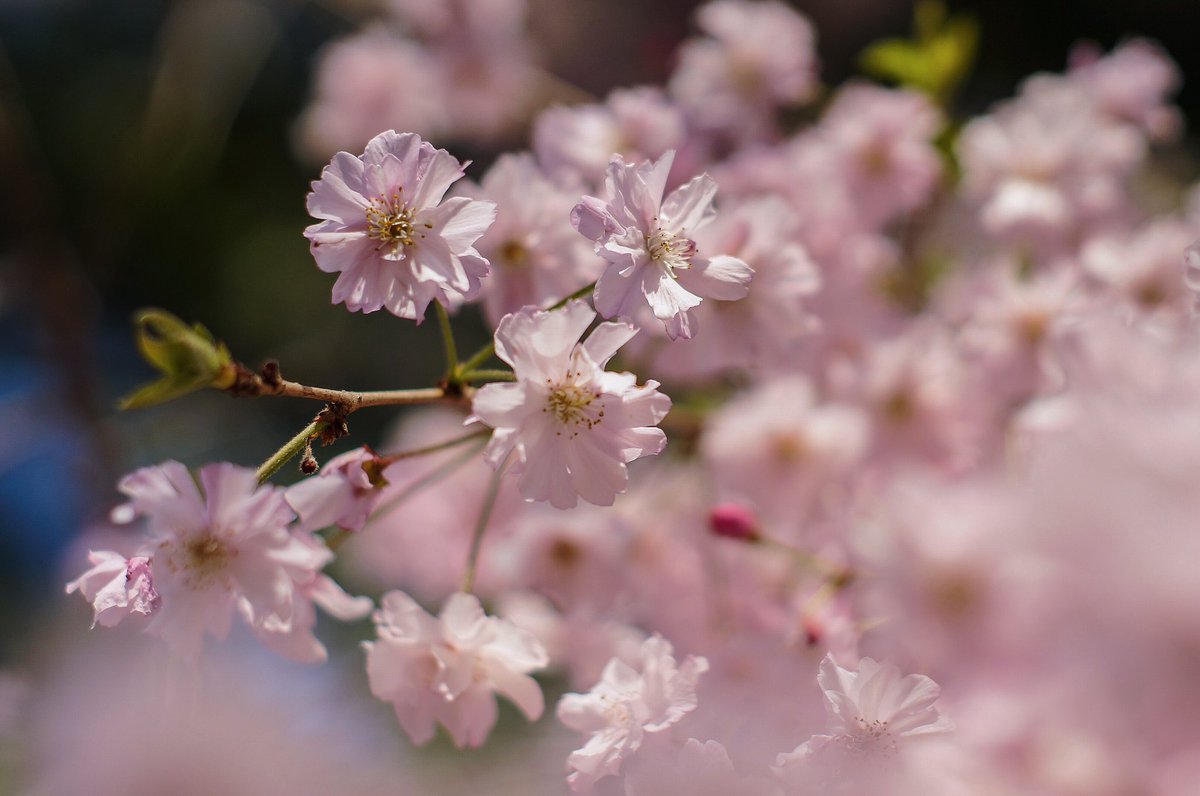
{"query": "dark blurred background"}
[(147, 158)]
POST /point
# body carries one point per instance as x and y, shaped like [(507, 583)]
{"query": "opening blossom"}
[(573, 425), (445, 669), (386, 230), (646, 239)]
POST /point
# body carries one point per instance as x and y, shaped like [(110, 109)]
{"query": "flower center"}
[(571, 405), (871, 736), (514, 254), (390, 221), (200, 560), (670, 250)]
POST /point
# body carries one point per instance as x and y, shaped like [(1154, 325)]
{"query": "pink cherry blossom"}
[(1141, 270), (1131, 84), (117, 587), (342, 494), (222, 550), (356, 93), (388, 232), (883, 141), (577, 142), (761, 55), (446, 669), (625, 705), (875, 714), (536, 258), (782, 450), (573, 425), (647, 242), (772, 325)]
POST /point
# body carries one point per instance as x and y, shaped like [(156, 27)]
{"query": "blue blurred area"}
[(41, 449)]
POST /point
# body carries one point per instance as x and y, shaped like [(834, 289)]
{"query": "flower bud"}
[(187, 357), (734, 521)]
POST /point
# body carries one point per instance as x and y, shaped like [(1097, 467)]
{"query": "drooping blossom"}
[(386, 230), (573, 425), (219, 548), (117, 587), (626, 705), (342, 494), (446, 670), (647, 242)]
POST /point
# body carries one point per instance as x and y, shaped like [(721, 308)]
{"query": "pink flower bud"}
[(734, 521)]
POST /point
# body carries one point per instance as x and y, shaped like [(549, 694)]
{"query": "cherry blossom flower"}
[(646, 241), (1131, 84), (1141, 270), (387, 231), (761, 55), (573, 425), (876, 705), (213, 552), (782, 450), (117, 587), (356, 93), (536, 258), (883, 140), (874, 715), (772, 325), (445, 669), (578, 141), (625, 705)]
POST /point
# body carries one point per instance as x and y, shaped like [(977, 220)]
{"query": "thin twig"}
[(289, 450), (485, 514)]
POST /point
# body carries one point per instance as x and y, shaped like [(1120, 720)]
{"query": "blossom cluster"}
[(925, 524)]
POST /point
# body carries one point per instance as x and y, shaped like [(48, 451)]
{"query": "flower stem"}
[(478, 358), (485, 514), (488, 375), (289, 450), (450, 443), (353, 401), (578, 294), (452, 366), (430, 478), (482, 355)]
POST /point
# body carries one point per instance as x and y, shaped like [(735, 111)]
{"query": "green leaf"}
[(188, 357), (935, 61)]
